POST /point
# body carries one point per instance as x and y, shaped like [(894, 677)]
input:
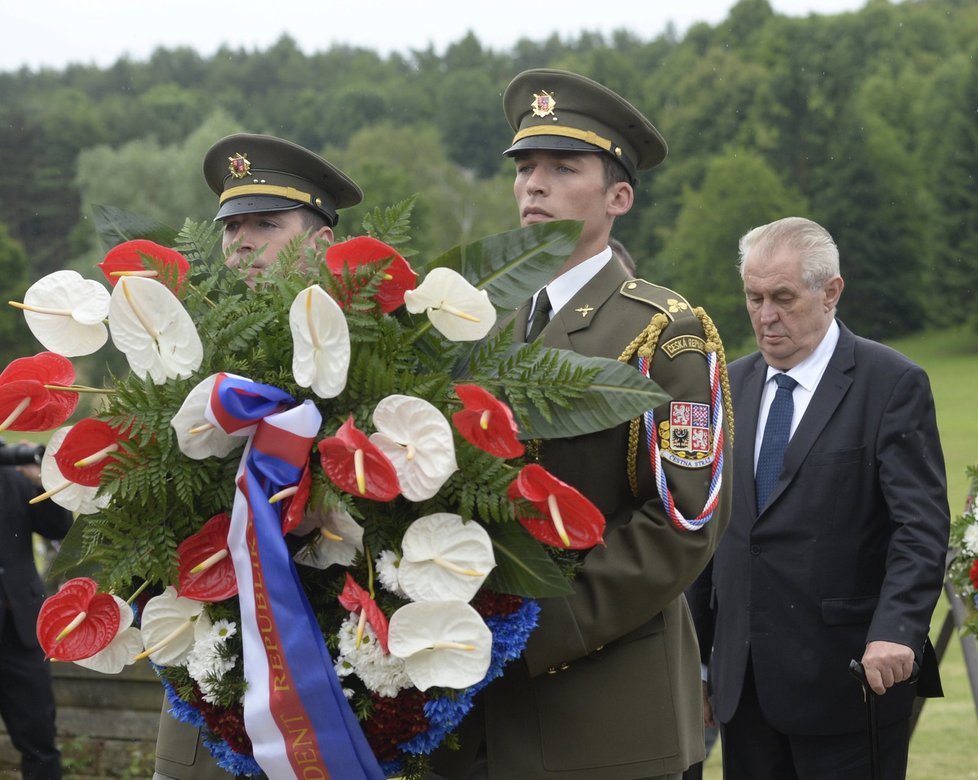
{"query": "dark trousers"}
[(27, 706), (754, 750)]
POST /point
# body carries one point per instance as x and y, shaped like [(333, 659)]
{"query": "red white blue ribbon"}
[(299, 722), (716, 474)]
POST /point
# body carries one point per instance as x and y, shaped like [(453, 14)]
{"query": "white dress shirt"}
[(567, 285), (807, 374)]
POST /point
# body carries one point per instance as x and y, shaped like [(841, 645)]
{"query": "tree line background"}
[(866, 122)]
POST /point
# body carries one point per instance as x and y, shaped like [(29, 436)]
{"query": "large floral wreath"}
[(963, 569), (305, 503)]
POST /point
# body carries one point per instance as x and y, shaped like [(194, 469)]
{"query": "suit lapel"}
[(832, 388), (521, 319)]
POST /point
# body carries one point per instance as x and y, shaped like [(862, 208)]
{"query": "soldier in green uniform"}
[(609, 684), (270, 191)]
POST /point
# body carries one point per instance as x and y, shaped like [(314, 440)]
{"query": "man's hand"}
[(887, 663), (708, 720)]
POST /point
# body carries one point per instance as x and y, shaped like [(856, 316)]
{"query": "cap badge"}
[(239, 165), (543, 105)]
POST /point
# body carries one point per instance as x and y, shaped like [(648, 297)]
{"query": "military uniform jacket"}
[(609, 684), (849, 549)]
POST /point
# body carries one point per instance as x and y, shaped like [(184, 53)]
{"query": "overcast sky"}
[(53, 33)]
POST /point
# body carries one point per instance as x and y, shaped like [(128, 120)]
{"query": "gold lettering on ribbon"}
[(304, 752)]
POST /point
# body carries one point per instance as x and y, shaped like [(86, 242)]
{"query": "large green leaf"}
[(523, 566), (618, 393), (114, 225), (512, 266)]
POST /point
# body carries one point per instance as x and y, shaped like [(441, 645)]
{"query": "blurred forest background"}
[(866, 122)]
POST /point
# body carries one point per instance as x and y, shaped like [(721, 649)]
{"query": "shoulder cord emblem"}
[(720, 405)]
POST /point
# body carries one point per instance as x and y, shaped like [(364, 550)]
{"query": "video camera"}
[(20, 454)]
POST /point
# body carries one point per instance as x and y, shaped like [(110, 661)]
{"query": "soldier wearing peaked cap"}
[(271, 190), (609, 683)]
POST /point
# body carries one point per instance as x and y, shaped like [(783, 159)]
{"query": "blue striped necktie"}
[(775, 441)]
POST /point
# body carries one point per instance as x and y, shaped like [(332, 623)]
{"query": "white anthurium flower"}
[(443, 643), (70, 495), (339, 540), (417, 439), (66, 312), (151, 327), (122, 650), (459, 311), (444, 557), (196, 437), (168, 627), (202, 627), (321, 342)]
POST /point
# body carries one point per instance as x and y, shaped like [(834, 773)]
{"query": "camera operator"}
[(26, 695)]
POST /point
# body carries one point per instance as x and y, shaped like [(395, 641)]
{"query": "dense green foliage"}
[(864, 121)]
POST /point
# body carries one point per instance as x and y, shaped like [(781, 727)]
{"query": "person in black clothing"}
[(26, 695)]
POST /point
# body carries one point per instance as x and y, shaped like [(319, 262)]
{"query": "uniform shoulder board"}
[(669, 302)]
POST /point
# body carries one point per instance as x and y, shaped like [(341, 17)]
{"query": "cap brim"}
[(551, 143), (251, 204)]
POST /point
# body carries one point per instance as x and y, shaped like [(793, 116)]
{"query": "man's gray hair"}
[(819, 254)]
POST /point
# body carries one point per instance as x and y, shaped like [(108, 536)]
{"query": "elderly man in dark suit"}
[(26, 696), (836, 544), (608, 687)]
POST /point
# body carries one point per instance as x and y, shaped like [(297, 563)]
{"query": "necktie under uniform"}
[(541, 316), (775, 440)]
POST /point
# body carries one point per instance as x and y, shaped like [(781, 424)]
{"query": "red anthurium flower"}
[(25, 403), (87, 450), (132, 259), (973, 574), (356, 599), (357, 466), (295, 510), (399, 276), (486, 422), (204, 561), (77, 622), (569, 519)]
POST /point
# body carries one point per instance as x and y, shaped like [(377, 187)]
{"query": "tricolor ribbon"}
[(295, 713), (716, 454)]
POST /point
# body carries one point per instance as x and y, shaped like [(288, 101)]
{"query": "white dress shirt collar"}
[(810, 370), (567, 285)]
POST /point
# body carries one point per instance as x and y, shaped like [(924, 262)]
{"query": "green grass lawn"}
[(945, 744)]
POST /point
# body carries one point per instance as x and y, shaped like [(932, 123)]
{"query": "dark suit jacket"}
[(22, 591), (849, 549), (609, 685)]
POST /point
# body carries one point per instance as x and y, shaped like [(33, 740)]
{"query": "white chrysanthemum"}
[(970, 539), (381, 673), (387, 566), (205, 663)]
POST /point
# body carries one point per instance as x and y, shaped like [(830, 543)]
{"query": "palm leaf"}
[(523, 566), (512, 266), (114, 225)]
